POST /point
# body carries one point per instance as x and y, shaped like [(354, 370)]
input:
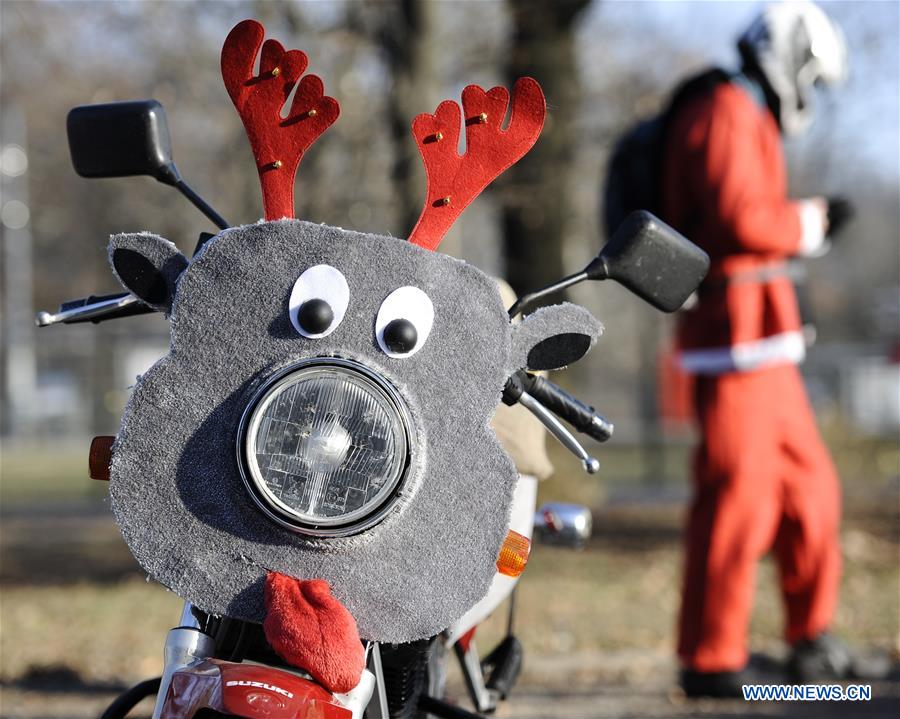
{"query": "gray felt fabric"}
[(554, 337), (175, 485), (149, 266)]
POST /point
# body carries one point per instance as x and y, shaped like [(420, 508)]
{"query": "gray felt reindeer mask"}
[(324, 410)]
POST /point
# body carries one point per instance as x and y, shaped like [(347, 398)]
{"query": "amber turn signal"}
[(100, 457), (513, 554)]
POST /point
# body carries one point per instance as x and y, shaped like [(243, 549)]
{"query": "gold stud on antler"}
[(260, 104), (489, 150)]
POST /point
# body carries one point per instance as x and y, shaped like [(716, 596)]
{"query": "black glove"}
[(840, 212)]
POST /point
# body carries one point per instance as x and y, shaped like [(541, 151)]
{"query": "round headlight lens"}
[(325, 448)]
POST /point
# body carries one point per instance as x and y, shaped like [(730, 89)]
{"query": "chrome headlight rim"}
[(337, 527)]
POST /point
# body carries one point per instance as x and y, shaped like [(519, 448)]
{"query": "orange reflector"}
[(100, 457), (513, 554)]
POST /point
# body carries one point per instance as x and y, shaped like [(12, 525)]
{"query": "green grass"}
[(37, 473)]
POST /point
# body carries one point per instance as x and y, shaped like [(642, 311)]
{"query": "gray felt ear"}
[(553, 337), (148, 266)]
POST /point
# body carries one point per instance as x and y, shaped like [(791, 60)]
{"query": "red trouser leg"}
[(807, 544), (733, 518), (759, 474)]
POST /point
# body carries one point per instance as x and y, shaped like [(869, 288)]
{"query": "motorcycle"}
[(323, 489)]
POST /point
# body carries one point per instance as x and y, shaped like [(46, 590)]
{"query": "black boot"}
[(826, 658), (717, 685)]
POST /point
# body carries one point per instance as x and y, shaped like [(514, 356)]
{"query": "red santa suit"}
[(762, 477)]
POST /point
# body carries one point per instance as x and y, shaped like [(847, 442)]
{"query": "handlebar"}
[(580, 415), (95, 308), (99, 308)]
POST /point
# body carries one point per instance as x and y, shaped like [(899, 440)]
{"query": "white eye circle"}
[(404, 322), (318, 301)]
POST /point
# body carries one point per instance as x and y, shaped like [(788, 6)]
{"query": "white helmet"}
[(794, 45)]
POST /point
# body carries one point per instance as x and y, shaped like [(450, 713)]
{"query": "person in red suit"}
[(763, 479)]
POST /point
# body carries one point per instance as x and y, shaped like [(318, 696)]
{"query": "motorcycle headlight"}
[(324, 447)]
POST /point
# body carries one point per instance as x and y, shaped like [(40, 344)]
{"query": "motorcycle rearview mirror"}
[(645, 255), (121, 139), (653, 260), (128, 139)]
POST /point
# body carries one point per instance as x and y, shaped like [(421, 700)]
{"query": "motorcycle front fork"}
[(185, 645), (188, 644), (484, 698), (487, 681)]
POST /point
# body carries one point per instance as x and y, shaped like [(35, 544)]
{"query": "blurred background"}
[(79, 620)]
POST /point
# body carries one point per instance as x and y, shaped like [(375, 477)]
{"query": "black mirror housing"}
[(121, 139), (653, 260)]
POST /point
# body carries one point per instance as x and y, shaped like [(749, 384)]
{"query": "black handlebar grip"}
[(581, 416), (514, 388)]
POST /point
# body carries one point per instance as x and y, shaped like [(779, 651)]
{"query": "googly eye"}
[(404, 322), (318, 301)]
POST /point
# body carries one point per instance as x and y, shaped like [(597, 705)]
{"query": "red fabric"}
[(490, 150), (312, 630), (259, 100), (724, 187), (762, 480)]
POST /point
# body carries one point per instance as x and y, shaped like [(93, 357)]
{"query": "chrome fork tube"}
[(185, 645), (188, 620)]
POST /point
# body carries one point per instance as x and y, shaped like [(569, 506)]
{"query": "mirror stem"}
[(169, 175), (526, 302), (201, 205)]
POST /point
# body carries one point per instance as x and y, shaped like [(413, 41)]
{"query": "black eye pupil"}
[(400, 336), (315, 316)]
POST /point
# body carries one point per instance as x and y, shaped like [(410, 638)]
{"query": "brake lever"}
[(87, 310), (106, 307), (558, 430)]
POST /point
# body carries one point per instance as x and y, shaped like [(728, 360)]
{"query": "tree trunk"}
[(535, 191), (406, 37)]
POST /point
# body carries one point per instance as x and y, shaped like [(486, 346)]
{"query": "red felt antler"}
[(278, 143), (455, 180)]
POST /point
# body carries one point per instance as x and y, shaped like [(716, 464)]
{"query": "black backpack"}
[(635, 166)]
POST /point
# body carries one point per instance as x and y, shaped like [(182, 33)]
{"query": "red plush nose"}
[(312, 630)]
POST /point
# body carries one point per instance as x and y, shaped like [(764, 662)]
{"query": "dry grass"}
[(614, 596), (608, 611), (105, 633), (621, 598)]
